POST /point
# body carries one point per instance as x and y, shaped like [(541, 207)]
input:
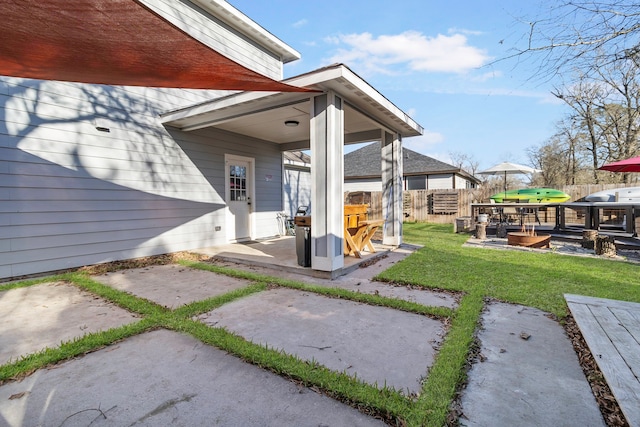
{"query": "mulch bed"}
[(609, 407), (165, 259)]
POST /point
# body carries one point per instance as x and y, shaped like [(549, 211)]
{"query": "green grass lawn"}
[(529, 278)]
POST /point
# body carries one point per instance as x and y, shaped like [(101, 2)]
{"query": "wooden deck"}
[(612, 331)]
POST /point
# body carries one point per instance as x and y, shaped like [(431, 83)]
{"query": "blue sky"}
[(433, 59)]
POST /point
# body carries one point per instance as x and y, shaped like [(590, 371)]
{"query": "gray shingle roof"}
[(366, 161)]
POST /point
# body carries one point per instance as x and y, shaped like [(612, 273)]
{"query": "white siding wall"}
[(214, 33), (71, 195), (363, 185), (297, 188), (440, 182), (433, 182), (462, 183)]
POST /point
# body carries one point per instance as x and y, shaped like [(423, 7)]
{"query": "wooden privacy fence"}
[(439, 206), (444, 206)]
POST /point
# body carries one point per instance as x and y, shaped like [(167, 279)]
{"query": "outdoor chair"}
[(510, 214)]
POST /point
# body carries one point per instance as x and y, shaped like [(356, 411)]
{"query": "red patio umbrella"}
[(627, 165)]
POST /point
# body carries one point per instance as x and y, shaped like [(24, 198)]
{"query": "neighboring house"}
[(95, 173), (420, 172), (297, 181)]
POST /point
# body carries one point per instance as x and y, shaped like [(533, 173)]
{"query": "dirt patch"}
[(164, 259)]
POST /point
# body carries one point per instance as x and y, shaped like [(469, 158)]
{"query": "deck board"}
[(612, 331), (631, 320)]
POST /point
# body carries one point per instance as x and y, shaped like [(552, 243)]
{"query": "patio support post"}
[(391, 188), (327, 182)]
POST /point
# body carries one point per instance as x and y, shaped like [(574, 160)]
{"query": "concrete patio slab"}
[(171, 285), (164, 378), (44, 315), (280, 253), (379, 345), (406, 293), (530, 377), (361, 279)]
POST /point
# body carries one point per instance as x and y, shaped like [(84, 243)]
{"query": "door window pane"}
[(237, 183)]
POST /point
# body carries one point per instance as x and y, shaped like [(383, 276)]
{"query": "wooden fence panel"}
[(418, 205), (438, 206), (444, 203)]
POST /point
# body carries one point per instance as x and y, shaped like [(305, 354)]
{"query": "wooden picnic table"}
[(358, 229)]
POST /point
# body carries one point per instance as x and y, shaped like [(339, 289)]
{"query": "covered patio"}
[(344, 110), (280, 253)]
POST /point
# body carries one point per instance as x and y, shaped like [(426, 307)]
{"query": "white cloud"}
[(300, 23), (423, 143), (487, 76), (332, 40), (543, 97), (464, 31), (412, 50)]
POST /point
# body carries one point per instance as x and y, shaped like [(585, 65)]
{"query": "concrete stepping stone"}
[(529, 374), (171, 285), (378, 344), (164, 378), (35, 317)]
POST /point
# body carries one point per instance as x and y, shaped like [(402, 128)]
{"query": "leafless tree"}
[(559, 158), (606, 107), (464, 161), (584, 98), (621, 114), (582, 34)]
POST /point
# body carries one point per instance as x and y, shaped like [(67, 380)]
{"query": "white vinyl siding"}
[(211, 31), (297, 188), (71, 195), (372, 184), (419, 182), (440, 182), (463, 183)]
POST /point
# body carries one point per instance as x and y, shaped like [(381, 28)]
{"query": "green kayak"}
[(531, 195)]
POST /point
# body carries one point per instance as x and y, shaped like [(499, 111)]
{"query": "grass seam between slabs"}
[(477, 274), (340, 385), (87, 343), (333, 292), (448, 370), (384, 402), (202, 306), (430, 408)]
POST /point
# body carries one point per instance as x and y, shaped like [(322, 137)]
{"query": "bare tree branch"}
[(577, 35)]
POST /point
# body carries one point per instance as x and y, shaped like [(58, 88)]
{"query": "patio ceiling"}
[(262, 115)]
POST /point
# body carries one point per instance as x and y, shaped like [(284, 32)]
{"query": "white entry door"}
[(239, 182)]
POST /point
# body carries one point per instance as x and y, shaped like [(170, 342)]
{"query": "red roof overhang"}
[(114, 42)]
